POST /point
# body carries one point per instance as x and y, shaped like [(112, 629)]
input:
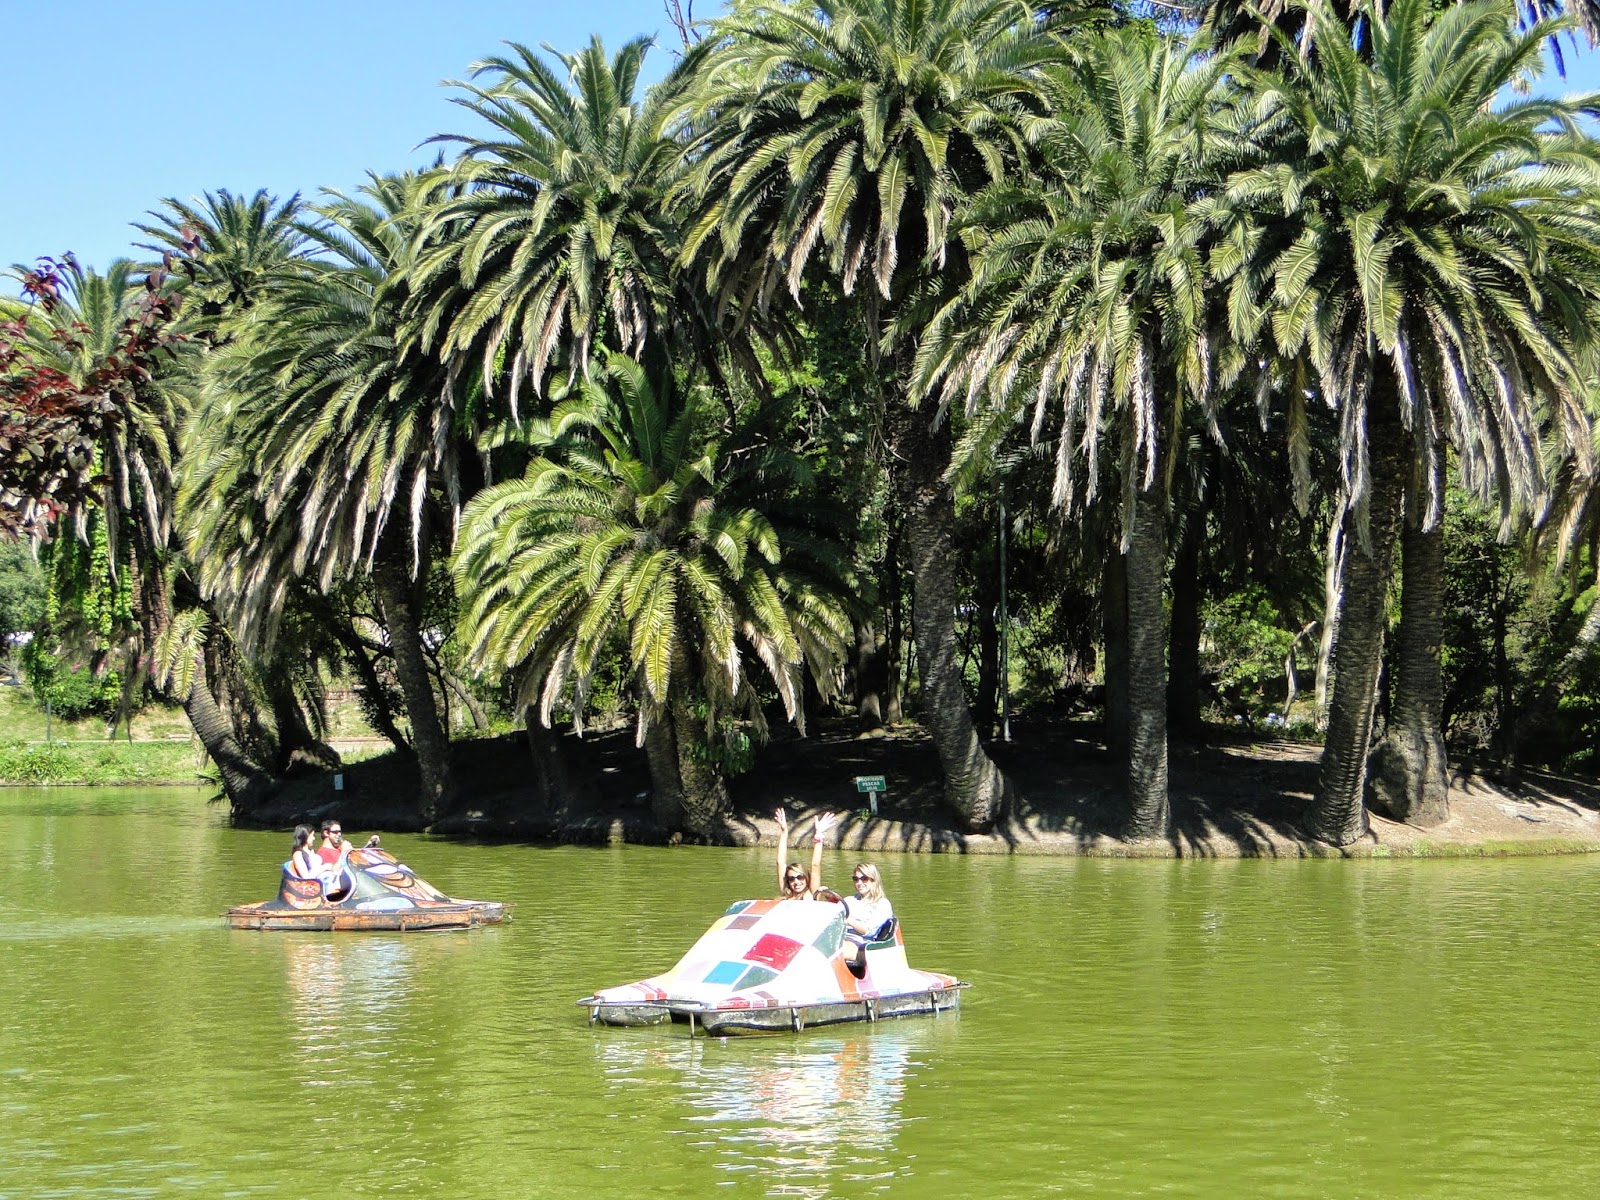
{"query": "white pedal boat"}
[(773, 965)]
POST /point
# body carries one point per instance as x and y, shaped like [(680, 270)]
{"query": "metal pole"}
[(1005, 636)]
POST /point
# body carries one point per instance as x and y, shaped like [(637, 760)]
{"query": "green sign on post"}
[(872, 785)]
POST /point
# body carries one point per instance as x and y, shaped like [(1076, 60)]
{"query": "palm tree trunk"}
[(244, 779), (895, 634), (551, 777), (976, 790), (1338, 812), (705, 791), (1147, 666), (1409, 770), (666, 788), (1114, 660), (396, 592), (1183, 679), (988, 706)]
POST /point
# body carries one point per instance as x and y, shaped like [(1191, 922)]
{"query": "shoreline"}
[(1232, 797)]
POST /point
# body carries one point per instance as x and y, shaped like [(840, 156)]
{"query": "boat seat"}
[(884, 935)]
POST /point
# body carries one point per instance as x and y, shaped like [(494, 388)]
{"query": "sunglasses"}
[(858, 875)]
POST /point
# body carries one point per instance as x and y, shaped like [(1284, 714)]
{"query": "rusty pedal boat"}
[(380, 894), (774, 966)]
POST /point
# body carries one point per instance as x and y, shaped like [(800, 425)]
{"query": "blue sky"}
[(114, 105)]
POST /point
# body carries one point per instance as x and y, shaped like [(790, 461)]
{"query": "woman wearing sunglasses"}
[(865, 915), (794, 882)]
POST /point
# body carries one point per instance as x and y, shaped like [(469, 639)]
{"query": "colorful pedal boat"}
[(378, 893), (777, 965)]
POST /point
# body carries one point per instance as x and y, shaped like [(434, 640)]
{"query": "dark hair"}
[(327, 823), (302, 835)]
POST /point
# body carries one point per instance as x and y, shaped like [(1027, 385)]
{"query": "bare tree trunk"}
[(474, 706), (398, 600), (976, 790), (871, 675), (1147, 666), (1338, 811), (1409, 771), (1183, 682), (380, 715), (298, 746)]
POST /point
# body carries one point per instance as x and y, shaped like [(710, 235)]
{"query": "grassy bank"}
[(83, 752), (103, 763)]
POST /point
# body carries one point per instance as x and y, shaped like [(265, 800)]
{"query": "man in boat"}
[(333, 852)]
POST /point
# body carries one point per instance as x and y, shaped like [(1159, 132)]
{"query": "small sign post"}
[(872, 785)]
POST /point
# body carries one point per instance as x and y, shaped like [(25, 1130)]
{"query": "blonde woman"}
[(794, 882), (865, 914)]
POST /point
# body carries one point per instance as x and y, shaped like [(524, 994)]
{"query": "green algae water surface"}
[(1285, 1029)]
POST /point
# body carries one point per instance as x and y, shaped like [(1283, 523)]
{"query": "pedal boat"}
[(775, 965), (374, 893)]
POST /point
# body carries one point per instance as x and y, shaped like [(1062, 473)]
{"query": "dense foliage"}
[(1258, 348)]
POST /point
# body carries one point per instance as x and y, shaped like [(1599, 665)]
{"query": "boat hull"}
[(780, 1018), (265, 916)]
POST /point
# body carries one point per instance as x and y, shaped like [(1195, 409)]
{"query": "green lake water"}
[(1275, 1029)]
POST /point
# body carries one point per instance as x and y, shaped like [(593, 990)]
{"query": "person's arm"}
[(819, 835), (783, 845)]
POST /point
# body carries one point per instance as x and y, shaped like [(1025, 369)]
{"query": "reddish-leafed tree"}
[(52, 424)]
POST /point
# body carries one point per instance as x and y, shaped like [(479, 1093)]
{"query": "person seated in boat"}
[(333, 852), (794, 882), (304, 862), (865, 915)]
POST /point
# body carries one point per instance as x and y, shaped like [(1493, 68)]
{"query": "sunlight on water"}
[(1320, 1029)]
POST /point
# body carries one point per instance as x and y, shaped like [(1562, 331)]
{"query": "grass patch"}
[(101, 763), (1531, 848)]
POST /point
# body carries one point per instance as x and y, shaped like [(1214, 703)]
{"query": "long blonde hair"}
[(874, 882)]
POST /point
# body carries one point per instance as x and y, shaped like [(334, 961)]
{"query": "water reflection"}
[(802, 1113), (345, 996)]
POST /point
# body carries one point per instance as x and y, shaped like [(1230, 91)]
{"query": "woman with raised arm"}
[(794, 883)]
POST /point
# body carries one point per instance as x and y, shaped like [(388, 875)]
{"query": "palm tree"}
[(326, 445), (237, 246), (1088, 291), (1430, 250), (559, 240), (638, 531), (849, 131), (86, 331)]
